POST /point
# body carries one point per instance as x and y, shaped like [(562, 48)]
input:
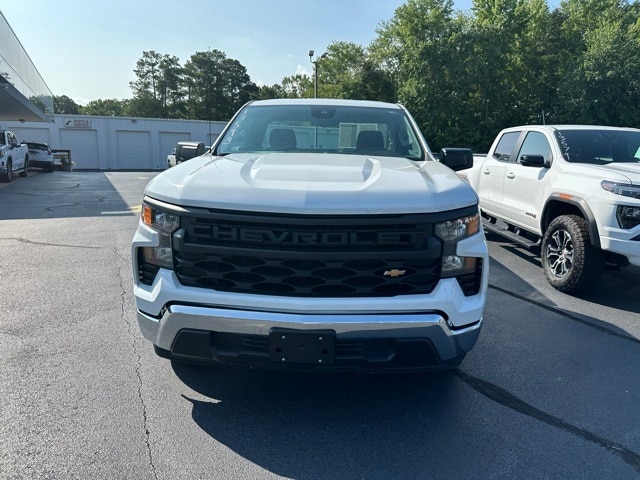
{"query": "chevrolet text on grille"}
[(238, 234)]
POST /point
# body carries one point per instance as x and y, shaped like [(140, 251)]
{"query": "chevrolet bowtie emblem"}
[(394, 273)]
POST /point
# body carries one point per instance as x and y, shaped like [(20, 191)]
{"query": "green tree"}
[(345, 71), (110, 107), (600, 79), (265, 92), (170, 87), (339, 69), (217, 86), (147, 73), (297, 86), (147, 101), (65, 105), (426, 49)]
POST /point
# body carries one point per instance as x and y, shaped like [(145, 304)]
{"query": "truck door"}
[(523, 188), (492, 174)]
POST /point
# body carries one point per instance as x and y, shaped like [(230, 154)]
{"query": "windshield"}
[(327, 129), (599, 147)]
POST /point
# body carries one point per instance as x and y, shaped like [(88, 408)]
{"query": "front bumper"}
[(368, 342), (404, 332), (613, 238)]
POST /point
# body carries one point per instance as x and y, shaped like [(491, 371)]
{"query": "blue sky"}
[(88, 50)]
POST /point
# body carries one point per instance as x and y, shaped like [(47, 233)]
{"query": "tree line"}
[(464, 75)]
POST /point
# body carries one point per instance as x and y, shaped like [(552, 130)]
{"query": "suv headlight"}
[(165, 224), (623, 189), (451, 232), (628, 217)]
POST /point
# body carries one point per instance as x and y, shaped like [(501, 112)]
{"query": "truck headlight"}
[(451, 232), (623, 189), (165, 224)]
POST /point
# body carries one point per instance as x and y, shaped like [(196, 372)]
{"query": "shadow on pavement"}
[(306, 426)]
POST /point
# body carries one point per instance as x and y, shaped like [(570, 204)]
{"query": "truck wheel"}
[(571, 263), (25, 171), (6, 177)]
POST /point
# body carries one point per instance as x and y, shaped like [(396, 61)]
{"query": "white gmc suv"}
[(315, 234)]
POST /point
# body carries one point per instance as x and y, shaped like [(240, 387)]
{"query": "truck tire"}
[(25, 171), (6, 177), (571, 263)]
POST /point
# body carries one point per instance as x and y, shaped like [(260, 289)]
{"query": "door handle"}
[(511, 175), (486, 171)]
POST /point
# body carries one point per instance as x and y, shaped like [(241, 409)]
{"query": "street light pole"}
[(315, 71)]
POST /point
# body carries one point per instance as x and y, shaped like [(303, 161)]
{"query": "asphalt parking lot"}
[(550, 391)]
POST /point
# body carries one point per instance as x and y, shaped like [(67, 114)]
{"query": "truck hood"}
[(312, 183), (619, 172)]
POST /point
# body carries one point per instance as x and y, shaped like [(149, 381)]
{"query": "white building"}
[(115, 143)]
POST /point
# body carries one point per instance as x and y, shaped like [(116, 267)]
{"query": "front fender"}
[(553, 205)]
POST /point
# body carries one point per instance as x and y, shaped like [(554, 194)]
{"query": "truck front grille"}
[(309, 256)]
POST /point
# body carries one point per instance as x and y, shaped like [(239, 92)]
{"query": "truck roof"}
[(326, 102), (553, 128)]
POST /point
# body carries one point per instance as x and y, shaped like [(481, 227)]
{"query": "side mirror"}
[(457, 158), (533, 161)]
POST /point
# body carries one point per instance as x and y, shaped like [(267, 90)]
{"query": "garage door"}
[(168, 141), (26, 134), (134, 150), (83, 145)]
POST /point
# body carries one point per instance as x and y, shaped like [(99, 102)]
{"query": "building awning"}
[(16, 107)]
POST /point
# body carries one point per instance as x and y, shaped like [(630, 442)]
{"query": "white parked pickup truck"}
[(316, 234), (574, 190), (14, 157)]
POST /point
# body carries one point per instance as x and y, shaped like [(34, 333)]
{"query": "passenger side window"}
[(505, 146), (535, 144)]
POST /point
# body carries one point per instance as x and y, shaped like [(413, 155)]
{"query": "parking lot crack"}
[(47, 244), (507, 399), (122, 266), (51, 209)]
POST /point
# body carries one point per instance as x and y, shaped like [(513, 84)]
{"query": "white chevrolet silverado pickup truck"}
[(14, 157), (315, 234), (573, 190)]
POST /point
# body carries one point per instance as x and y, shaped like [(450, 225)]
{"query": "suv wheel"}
[(571, 263)]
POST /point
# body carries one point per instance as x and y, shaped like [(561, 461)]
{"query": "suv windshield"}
[(599, 146), (341, 129)]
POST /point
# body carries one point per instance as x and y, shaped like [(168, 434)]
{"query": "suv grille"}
[(309, 256)]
